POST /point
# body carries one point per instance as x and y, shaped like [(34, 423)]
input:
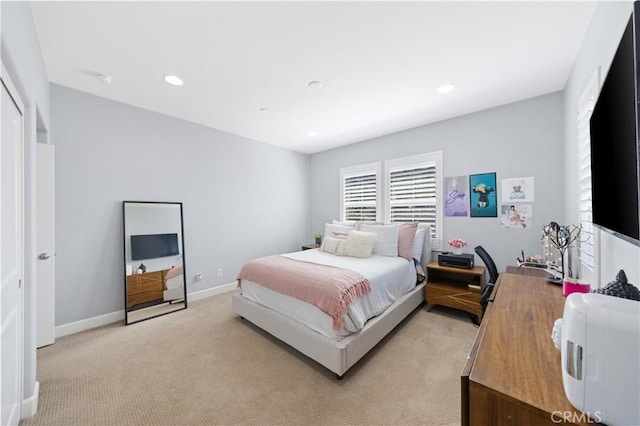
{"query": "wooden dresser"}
[(513, 375), (145, 287)]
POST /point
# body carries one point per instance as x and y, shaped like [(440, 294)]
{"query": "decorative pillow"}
[(330, 228), (351, 224), (406, 235), (387, 241), (360, 244), (334, 246), (340, 235), (418, 243)]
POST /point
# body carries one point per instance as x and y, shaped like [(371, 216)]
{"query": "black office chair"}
[(493, 276)]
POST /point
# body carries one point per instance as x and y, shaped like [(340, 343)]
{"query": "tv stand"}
[(145, 288)]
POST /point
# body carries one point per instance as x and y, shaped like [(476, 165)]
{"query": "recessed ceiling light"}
[(313, 134), (263, 109), (446, 88), (314, 84), (105, 78), (174, 80)]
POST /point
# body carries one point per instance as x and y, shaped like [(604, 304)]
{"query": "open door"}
[(46, 294)]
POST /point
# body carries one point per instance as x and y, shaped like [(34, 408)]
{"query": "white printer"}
[(600, 348)]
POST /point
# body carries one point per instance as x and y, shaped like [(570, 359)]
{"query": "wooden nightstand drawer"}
[(455, 287)]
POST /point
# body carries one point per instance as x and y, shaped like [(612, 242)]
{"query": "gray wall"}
[(516, 140), (21, 54), (600, 43), (241, 198)]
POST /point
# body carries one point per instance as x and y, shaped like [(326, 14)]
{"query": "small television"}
[(154, 246), (615, 151)]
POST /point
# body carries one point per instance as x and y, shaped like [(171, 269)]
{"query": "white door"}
[(46, 293), (11, 254)]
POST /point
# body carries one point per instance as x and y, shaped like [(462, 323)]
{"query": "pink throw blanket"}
[(329, 288)]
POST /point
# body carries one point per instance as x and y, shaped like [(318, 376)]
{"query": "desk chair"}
[(493, 276)]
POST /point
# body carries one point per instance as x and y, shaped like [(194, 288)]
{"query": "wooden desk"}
[(513, 375), (528, 271)]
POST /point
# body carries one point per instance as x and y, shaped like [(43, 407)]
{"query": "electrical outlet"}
[(219, 272), (198, 276)]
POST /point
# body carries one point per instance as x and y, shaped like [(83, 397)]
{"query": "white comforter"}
[(389, 277)]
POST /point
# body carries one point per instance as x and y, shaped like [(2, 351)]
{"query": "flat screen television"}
[(615, 175), (154, 246)]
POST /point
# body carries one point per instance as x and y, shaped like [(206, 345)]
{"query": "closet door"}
[(11, 252), (46, 293)]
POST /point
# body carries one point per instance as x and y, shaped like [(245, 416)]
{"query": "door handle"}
[(44, 256)]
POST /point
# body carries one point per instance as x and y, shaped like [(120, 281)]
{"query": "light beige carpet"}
[(206, 366)]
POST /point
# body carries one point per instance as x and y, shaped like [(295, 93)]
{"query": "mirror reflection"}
[(154, 281)]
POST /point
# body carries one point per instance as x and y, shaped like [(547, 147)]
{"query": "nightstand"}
[(455, 287), (309, 246)]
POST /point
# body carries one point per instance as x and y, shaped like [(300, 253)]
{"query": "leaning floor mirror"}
[(154, 275)]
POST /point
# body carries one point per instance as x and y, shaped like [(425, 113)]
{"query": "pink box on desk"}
[(572, 286)]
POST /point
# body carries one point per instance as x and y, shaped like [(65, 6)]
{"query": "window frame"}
[(429, 158), (360, 170)]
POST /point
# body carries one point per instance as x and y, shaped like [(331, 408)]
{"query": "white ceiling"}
[(380, 63)]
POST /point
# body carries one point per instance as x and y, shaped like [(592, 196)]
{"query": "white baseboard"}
[(100, 320), (89, 323), (225, 288), (30, 405)]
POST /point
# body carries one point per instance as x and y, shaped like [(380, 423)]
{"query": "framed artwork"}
[(517, 216), (455, 196), (482, 195), (517, 190)]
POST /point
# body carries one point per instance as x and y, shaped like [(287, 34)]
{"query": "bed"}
[(174, 284), (314, 333)]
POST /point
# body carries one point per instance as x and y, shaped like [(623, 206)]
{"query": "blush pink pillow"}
[(406, 234)]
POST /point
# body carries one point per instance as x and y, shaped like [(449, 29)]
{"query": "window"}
[(588, 239), (360, 192), (412, 191)]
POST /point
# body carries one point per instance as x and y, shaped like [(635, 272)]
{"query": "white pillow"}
[(351, 224), (387, 241), (334, 246), (330, 228), (360, 244), (418, 243)]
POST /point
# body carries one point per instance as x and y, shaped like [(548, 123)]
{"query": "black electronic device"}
[(154, 246), (615, 151), (464, 260)]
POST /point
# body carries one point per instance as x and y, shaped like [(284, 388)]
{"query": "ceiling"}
[(247, 66)]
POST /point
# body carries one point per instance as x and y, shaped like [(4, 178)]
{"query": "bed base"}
[(337, 356)]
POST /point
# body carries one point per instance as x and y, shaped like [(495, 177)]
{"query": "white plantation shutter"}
[(588, 238), (412, 194), (412, 191), (360, 192)]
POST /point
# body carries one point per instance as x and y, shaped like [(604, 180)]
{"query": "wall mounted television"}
[(154, 246), (615, 151)]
